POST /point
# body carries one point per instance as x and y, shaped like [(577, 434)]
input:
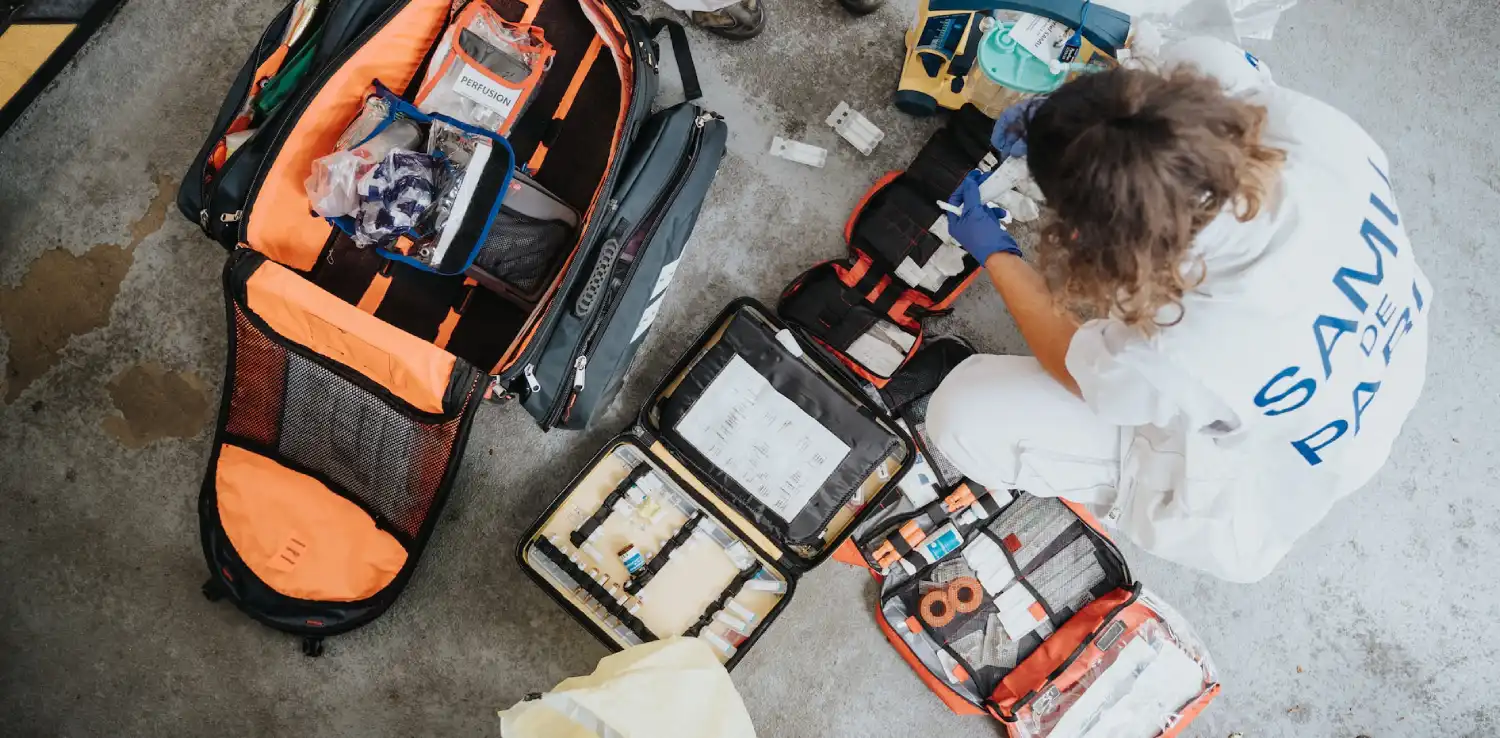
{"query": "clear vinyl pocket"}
[(485, 70), (1139, 671), (831, 449)]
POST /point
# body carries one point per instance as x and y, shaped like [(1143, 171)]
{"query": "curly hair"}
[(1134, 165)]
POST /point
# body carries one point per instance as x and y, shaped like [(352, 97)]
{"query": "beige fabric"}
[(674, 688)]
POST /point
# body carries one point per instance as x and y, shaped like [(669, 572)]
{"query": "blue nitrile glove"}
[(1009, 136), (979, 229)]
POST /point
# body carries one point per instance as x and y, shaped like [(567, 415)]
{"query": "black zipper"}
[(293, 113), (620, 279), (209, 184), (550, 316)]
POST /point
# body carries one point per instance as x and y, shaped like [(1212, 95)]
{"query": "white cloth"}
[(673, 688), (1282, 388), (703, 5)]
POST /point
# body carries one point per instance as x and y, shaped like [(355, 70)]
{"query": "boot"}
[(739, 22), (861, 7)]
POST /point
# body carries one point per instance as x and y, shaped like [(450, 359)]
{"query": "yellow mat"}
[(24, 48)]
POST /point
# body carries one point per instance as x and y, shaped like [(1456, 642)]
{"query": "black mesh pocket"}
[(380, 457), (522, 254), (259, 384), (389, 460)]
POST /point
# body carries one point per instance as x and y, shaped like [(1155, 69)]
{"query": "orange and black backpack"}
[(353, 377)]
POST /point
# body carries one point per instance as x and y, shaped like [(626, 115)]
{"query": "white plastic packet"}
[(332, 188)]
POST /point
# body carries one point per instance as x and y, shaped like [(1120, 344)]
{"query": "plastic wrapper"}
[(395, 196), (333, 186), (333, 189), (1231, 20), (1136, 688), (487, 69)]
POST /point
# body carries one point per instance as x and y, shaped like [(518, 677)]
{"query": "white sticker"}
[(762, 440), (664, 280), (1043, 37), (789, 342), (474, 85), (647, 318)]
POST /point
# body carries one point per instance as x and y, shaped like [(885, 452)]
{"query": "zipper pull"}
[(203, 218), (611, 206), (531, 384), (579, 367), (703, 119), (233, 217)]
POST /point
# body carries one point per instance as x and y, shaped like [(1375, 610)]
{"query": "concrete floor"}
[(1381, 622)]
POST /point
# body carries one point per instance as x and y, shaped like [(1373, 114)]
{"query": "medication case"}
[(750, 464)]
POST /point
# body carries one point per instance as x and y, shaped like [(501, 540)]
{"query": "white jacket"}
[(1295, 363)]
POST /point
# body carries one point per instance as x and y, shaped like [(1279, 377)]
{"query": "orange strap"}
[(579, 75), (445, 329), (375, 293), (532, 7)]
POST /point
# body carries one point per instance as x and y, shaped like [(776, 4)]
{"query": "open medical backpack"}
[(352, 376), (1005, 604), (1019, 607)]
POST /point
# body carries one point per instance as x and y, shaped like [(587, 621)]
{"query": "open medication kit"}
[(903, 267), (355, 370), (1019, 606), (747, 467)]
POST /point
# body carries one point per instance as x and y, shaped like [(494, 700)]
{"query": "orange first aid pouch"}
[(1020, 607)]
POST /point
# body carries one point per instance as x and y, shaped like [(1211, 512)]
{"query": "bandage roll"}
[(965, 594), (937, 611)]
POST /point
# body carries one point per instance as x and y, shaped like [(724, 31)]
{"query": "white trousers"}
[(689, 5), (1007, 424)]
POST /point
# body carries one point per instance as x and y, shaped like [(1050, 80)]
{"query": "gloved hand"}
[(979, 229), (1009, 136)]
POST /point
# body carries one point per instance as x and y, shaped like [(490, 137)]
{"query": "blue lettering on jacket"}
[(1287, 391)]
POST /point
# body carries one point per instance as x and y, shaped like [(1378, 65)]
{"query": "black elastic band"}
[(595, 591), (729, 593), (606, 508), (686, 69), (867, 283), (643, 577)]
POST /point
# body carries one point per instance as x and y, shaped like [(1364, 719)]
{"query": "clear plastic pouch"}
[(1139, 682), (420, 188), (486, 70)]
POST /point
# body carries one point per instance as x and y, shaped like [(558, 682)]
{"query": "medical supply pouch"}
[(351, 405), (337, 442), (1017, 606), (486, 70), (754, 458), (868, 310)]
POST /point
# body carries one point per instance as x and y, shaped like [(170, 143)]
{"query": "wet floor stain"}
[(153, 403), (64, 295)]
